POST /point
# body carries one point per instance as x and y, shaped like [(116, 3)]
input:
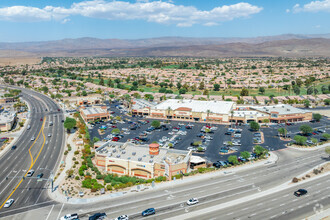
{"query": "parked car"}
[(192, 201), (300, 192), (9, 203), (97, 216), (13, 147), (150, 211)]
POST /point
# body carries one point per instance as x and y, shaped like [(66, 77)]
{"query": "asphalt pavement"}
[(43, 152)]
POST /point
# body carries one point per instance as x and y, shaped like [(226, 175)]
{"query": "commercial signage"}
[(139, 165), (167, 169)]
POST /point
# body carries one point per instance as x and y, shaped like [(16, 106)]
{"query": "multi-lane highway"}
[(211, 191), (43, 152)]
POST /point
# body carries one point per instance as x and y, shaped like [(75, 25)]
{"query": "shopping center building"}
[(220, 112), (94, 113), (143, 161)]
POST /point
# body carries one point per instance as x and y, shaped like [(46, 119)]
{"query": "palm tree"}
[(168, 112), (208, 115)]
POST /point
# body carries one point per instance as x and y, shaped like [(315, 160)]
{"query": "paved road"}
[(44, 152), (211, 190)]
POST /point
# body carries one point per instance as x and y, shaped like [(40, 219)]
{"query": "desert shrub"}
[(316, 171), (66, 152), (77, 178), (109, 187), (295, 180), (308, 176)]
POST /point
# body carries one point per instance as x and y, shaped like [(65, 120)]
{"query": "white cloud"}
[(151, 11), (314, 6), (287, 10)]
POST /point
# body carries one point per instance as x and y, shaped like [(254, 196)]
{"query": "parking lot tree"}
[(69, 123), (115, 131), (197, 143), (200, 149), (254, 126), (96, 139), (314, 140), (282, 131), (258, 150), (317, 116), (305, 129), (326, 136), (118, 118), (245, 154), (301, 140), (155, 124), (233, 159)]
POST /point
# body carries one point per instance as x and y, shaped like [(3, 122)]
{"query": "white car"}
[(192, 201), (122, 217), (32, 139), (49, 135), (69, 217), (9, 203), (30, 173)]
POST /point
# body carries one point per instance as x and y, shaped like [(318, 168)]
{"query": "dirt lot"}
[(13, 61)]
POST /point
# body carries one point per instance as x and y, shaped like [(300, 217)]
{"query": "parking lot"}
[(177, 135)]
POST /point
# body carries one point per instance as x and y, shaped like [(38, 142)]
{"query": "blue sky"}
[(26, 20)]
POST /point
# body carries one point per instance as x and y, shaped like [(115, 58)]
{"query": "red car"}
[(115, 139), (58, 109), (40, 119), (208, 126), (114, 126), (314, 133), (176, 128)]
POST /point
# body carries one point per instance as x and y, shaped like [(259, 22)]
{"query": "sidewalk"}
[(58, 196), (310, 148)]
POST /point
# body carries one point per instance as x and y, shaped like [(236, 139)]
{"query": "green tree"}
[(282, 131), (262, 90), (45, 89), (326, 136), (301, 140), (314, 140), (307, 103), (96, 139), (244, 92), (245, 154), (182, 91), (317, 116), (254, 126), (305, 129), (258, 150), (84, 93), (216, 87), (310, 91), (115, 131), (69, 124), (233, 159), (155, 124), (326, 101)]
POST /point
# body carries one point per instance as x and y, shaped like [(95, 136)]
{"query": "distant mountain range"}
[(288, 45)]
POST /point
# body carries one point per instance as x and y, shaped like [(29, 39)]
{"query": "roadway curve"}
[(44, 152)]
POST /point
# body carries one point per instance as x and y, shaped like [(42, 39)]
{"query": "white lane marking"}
[(9, 183), (294, 200), (27, 199), (286, 195), (273, 200), (282, 204), (245, 209), (50, 212), (59, 213), (253, 214), (318, 191), (230, 213), (274, 216), (5, 169), (260, 204), (268, 209), (318, 184)]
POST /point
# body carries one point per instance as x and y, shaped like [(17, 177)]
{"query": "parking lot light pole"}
[(51, 176)]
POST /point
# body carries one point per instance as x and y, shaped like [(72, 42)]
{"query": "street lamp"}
[(51, 176)]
